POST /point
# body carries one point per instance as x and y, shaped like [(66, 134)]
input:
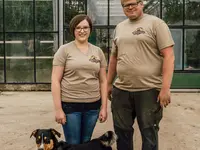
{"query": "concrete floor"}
[(23, 112)]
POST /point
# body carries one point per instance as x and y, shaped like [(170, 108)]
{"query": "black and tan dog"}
[(46, 140)]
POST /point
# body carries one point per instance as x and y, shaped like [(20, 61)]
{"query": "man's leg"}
[(149, 114), (123, 118)]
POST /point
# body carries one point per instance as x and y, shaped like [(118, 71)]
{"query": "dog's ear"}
[(34, 133), (55, 132)]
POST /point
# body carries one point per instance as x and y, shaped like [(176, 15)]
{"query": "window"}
[(178, 50), (116, 12), (72, 8), (192, 12), (1, 58), (152, 7), (98, 11), (192, 49), (46, 46), (19, 15), (46, 15), (1, 15), (173, 12)]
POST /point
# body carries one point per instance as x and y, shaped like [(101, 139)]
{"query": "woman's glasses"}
[(85, 29)]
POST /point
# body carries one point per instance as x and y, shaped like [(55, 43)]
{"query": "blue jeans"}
[(79, 126)]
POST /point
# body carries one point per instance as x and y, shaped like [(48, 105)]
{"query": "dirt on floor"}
[(23, 112)]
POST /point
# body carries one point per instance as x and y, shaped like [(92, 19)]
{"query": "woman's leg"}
[(89, 119), (72, 128)]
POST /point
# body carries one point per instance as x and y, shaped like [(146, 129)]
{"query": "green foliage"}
[(19, 16), (44, 15), (173, 11), (1, 15), (192, 10), (193, 51), (72, 8)]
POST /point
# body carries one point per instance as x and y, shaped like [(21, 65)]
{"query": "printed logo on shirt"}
[(138, 31), (94, 59)]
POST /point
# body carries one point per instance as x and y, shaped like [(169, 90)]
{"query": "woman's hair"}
[(76, 20)]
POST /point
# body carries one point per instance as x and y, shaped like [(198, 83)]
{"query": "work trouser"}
[(143, 105)]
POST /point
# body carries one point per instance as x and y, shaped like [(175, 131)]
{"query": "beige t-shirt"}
[(80, 82), (137, 47)]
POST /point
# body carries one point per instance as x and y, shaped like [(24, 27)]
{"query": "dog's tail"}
[(108, 138)]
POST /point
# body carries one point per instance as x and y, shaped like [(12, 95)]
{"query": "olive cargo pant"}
[(143, 105)]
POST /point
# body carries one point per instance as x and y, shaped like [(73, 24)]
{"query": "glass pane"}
[(1, 15), (192, 49), (192, 12), (116, 12), (19, 15), (98, 11), (48, 19), (43, 69), (111, 39), (20, 69), (68, 36), (99, 37), (72, 8), (19, 44), (1, 45), (173, 11), (178, 49), (152, 7), (1, 59), (46, 44)]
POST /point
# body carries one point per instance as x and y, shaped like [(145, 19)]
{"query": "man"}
[(142, 59)]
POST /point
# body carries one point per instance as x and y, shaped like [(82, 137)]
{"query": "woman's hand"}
[(103, 115), (60, 116)]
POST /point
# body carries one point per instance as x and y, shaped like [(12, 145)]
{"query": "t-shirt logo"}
[(138, 31), (94, 59)]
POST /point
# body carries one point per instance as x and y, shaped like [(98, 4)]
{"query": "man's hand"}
[(60, 116), (164, 97)]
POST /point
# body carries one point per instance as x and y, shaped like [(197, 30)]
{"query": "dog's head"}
[(45, 138), (108, 138)]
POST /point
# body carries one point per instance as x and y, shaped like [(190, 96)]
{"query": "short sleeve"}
[(103, 62), (60, 57), (163, 36), (114, 46)]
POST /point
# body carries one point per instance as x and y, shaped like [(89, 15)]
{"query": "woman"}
[(79, 83)]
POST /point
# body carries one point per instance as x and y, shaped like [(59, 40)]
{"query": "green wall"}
[(186, 81)]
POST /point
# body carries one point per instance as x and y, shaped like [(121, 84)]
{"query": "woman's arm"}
[(103, 89), (57, 74)]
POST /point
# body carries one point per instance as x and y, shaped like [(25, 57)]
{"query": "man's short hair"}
[(122, 1)]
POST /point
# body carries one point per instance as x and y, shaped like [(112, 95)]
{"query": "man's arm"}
[(168, 66), (111, 72), (167, 71)]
